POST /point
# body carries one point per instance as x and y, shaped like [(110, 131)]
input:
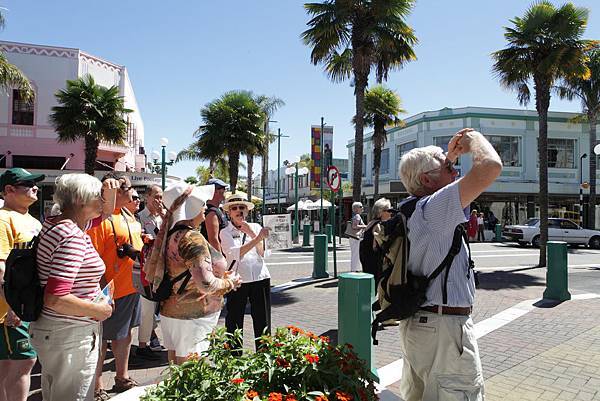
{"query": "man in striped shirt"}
[(441, 357)]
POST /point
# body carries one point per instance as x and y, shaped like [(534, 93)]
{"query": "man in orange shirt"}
[(117, 248)]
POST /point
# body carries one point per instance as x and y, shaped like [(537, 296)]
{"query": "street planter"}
[(292, 365)]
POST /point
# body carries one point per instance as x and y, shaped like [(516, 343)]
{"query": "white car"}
[(558, 230)]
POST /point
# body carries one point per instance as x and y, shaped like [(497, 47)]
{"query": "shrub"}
[(291, 365)]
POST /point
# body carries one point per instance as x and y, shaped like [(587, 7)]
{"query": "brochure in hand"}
[(107, 294)]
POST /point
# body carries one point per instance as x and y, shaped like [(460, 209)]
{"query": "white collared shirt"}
[(252, 266)]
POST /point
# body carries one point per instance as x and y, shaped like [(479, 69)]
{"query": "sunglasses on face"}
[(26, 184), (446, 164), (135, 198), (238, 207)]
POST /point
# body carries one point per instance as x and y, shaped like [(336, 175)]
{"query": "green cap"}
[(17, 174)]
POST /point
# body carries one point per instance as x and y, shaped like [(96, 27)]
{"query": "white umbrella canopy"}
[(301, 206), (317, 205)]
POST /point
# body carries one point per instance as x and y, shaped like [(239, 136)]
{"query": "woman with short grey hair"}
[(378, 212), (67, 333), (358, 226)]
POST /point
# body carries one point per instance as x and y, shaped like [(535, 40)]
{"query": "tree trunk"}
[(542, 91), (234, 163), (359, 93), (376, 169), (91, 153), (249, 168), (592, 202)]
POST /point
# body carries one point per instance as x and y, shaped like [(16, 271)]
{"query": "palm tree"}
[(204, 149), (255, 148), (232, 123), (11, 77), (544, 46), (269, 105), (588, 92), (90, 112), (352, 37), (382, 106)]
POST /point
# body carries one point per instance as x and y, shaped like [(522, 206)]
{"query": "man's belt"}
[(449, 310)]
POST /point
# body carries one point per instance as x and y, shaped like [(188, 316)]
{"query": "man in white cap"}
[(216, 220)]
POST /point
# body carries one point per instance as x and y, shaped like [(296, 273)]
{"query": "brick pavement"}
[(549, 353)]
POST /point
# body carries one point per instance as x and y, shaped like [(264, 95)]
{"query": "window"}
[(384, 167), (39, 162), (508, 149), (22, 111), (561, 153), (402, 149), (568, 225), (442, 142)]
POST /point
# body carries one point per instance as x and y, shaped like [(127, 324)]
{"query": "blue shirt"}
[(431, 229)]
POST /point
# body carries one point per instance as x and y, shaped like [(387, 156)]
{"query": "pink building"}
[(28, 140)]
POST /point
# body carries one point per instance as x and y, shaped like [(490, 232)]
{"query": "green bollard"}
[(320, 256), (306, 235), (557, 275), (355, 295), (498, 233), (329, 230)]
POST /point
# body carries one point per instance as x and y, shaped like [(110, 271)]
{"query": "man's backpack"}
[(165, 288), (22, 288), (401, 293), (370, 253)]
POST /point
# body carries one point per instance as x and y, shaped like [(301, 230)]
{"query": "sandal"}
[(101, 395), (124, 384)]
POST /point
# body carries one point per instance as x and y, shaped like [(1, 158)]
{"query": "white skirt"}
[(187, 336)]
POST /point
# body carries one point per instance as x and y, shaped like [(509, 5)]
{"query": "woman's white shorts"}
[(187, 336)]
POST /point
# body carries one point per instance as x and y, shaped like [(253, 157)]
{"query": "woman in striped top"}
[(67, 334)]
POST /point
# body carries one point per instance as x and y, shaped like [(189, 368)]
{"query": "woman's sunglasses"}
[(238, 207), (135, 198)]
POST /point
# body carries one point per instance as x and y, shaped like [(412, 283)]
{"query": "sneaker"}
[(155, 345), (146, 353)]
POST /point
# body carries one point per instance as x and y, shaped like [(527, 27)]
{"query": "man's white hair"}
[(75, 190), (416, 162), (380, 206)]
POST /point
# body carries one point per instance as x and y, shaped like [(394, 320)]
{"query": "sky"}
[(180, 55)]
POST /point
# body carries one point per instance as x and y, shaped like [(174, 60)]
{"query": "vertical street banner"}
[(316, 141)]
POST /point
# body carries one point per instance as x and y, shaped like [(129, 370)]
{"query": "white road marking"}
[(300, 261), (391, 373)]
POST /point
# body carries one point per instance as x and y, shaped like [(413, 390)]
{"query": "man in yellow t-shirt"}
[(17, 229), (114, 241)]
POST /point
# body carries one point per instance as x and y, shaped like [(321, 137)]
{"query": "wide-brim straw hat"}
[(237, 199)]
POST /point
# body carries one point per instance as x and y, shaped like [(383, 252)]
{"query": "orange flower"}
[(321, 398), (342, 396), (237, 380), (250, 394), (193, 356), (325, 339), (275, 397), (311, 358), (290, 397)]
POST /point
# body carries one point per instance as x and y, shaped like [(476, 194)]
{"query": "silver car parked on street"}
[(558, 230)]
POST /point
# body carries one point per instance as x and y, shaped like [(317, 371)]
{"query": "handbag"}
[(351, 232)]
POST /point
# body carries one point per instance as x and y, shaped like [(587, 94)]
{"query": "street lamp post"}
[(583, 156), (296, 171), (322, 162), (161, 167), (279, 136)]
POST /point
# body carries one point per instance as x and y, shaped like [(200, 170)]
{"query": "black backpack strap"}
[(447, 262), (471, 263)]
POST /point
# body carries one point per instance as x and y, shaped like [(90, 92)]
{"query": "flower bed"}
[(292, 365)]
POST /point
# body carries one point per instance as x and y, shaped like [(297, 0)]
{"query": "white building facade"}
[(514, 135)]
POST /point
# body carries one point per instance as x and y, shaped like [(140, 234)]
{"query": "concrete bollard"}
[(306, 235), (355, 294), (329, 231), (557, 275), (498, 232), (320, 256)]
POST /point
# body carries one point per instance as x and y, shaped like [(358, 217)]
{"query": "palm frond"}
[(11, 77)]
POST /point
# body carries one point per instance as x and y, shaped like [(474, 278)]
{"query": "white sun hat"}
[(192, 205)]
